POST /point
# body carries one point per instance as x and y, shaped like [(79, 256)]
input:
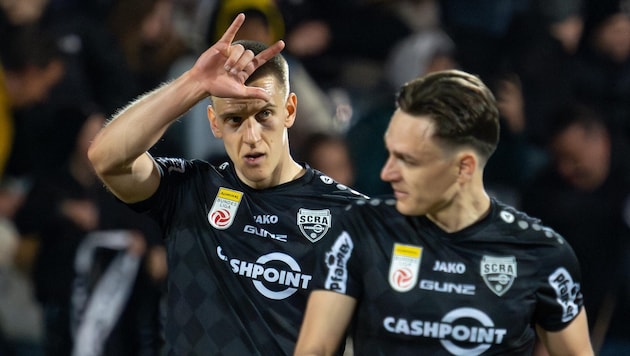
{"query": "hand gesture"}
[(223, 69)]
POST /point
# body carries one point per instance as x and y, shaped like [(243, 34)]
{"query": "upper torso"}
[(241, 261), (475, 291)]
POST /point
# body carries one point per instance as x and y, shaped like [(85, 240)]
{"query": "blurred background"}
[(560, 70)]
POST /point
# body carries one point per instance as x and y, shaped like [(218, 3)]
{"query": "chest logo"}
[(223, 211), (498, 273), (314, 224), (404, 267)]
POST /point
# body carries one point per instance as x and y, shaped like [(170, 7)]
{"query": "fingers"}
[(243, 63), (230, 33), (257, 93), (240, 60), (236, 53), (267, 54)]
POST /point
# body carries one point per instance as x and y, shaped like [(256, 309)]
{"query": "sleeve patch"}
[(337, 262), (567, 293)]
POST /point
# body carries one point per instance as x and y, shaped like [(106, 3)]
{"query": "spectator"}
[(602, 71), (30, 65), (60, 210), (545, 41), (329, 154), (418, 54), (21, 316), (144, 30), (585, 194)]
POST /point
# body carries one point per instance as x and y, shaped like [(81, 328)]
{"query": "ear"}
[(291, 107), (212, 117), (468, 164)]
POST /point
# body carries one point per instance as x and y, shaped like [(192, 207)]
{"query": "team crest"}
[(404, 267), (223, 211), (314, 224), (498, 273)]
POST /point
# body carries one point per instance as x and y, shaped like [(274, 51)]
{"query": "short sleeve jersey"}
[(476, 291), (240, 260)]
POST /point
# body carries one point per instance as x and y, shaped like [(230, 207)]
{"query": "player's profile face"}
[(422, 175), (254, 132)]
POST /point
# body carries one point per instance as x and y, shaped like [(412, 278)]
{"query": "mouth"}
[(399, 193), (254, 157)]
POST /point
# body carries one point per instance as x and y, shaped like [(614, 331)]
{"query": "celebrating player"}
[(241, 236)]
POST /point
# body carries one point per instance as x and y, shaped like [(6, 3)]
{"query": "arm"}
[(119, 152), (572, 340), (325, 322)]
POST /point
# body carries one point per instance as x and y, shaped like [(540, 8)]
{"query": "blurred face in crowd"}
[(33, 84), (255, 133), (254, 29), (20, 12), (568, 32), (423, 176), (332, 158), (613, 37), (582, 156)]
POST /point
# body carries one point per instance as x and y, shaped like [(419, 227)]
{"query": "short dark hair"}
[(276, 66), (462, 107), (588, 117)]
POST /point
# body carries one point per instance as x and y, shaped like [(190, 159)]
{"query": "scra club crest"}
[(314, 224), (498, 273)]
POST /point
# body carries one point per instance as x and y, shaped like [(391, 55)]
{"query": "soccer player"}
[(443, 269), (240, 237)]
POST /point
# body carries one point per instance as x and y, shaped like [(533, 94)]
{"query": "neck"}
[(465, 209)]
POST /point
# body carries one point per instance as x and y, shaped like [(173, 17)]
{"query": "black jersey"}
[(240, 260), (421, 290)]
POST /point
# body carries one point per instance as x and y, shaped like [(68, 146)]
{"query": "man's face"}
[(255, 133), (422, 175), (37, 83), (582, 156)]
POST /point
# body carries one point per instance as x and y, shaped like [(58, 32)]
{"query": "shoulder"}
[(523, 228), (373, 211), (179, 165), (170, 166), (328, 188)]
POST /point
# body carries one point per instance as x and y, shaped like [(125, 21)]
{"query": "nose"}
[(389, 172), (252, 132)]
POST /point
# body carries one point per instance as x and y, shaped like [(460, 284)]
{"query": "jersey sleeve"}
[(173, 171), (560, 296), (338, 264)]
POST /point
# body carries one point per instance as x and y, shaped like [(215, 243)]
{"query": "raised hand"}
[(223, 69)]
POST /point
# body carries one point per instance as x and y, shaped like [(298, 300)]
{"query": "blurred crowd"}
[(560, 71)]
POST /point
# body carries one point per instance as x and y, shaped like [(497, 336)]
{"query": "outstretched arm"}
[(573, 340), (119, 152), (325, 322)]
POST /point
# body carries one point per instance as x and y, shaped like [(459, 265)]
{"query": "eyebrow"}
[(239, 113)]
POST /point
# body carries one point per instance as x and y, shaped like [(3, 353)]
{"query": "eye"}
[(263, 115), (405, 159), (233, 120)]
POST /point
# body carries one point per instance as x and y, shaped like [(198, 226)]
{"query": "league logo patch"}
[(223, 211), (498, 273), (314, 224), (404, 267)]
